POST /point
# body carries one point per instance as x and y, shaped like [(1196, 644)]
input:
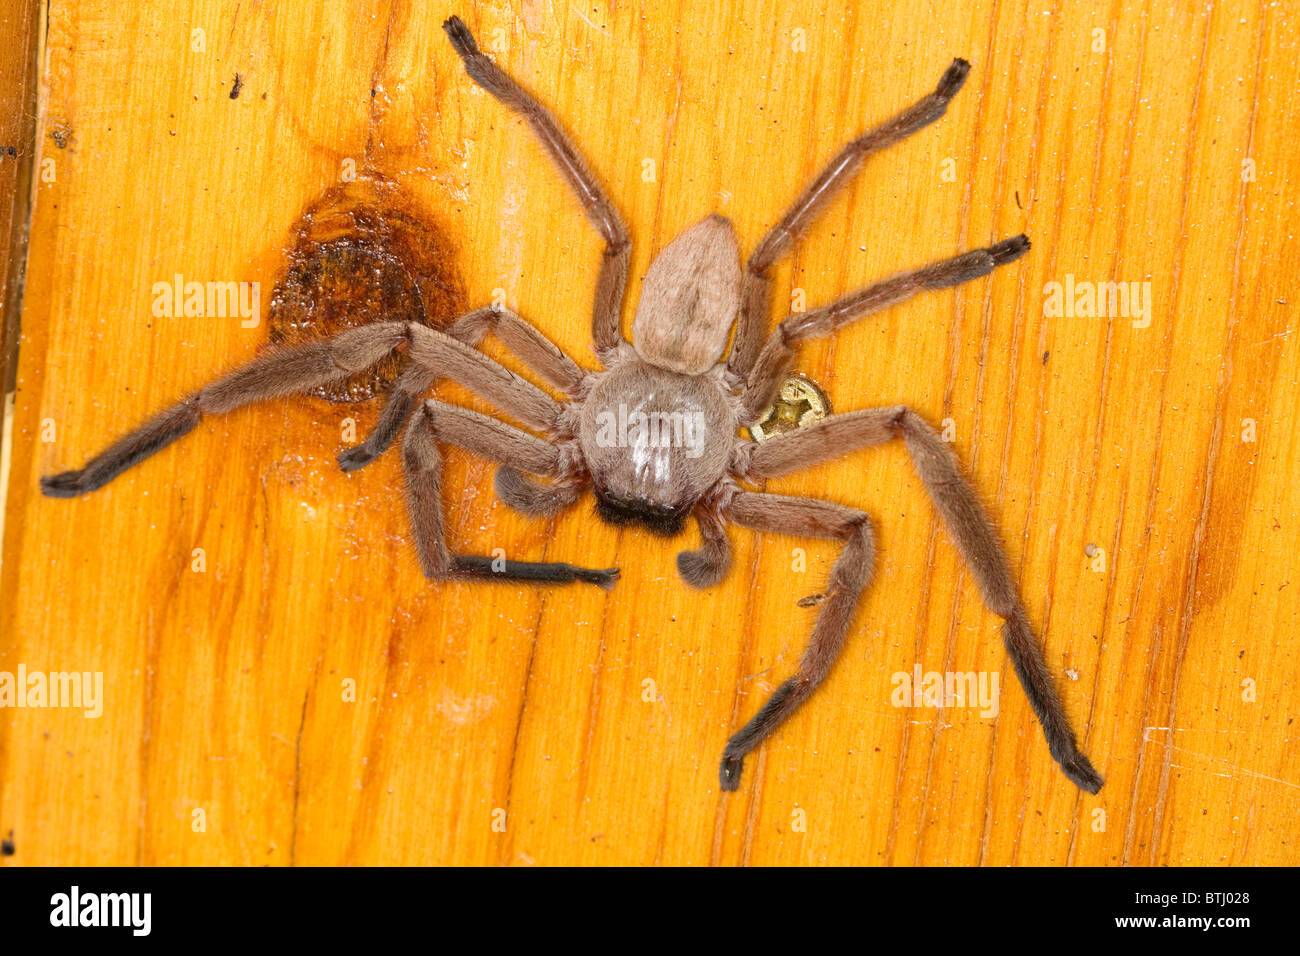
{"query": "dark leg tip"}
[(355, 457), (460, 37), (952, 79), (729, 772), (605, 579), (66, 484), (1009, 250), (1080, 770)]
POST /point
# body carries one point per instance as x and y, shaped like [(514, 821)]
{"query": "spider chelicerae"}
[(656, 433)]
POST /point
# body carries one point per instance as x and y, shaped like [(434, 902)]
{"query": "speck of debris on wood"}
[(1045, 354), (239, 85), (10, 151), (1018, 206), (811, 600), (7, 847)]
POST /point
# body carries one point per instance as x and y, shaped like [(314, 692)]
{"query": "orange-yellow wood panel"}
[(280, 684)]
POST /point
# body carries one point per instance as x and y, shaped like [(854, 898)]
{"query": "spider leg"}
[(523, 339), (299, 368), (612, 278), (773, 362), (849, 576), (402, 398), (530, 497), (435, 421), (708, 564), (274, 374), (518, 335), (971, 531), (755, 291)]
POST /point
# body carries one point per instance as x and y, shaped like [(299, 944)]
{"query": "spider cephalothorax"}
[(656, 433), (654, 442)]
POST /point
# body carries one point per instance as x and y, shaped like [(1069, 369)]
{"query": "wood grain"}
[(1141, 474)]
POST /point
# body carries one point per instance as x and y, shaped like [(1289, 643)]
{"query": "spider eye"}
[(660, 519)]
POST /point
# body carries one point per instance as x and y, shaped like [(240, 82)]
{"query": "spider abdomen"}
[(689, 299)]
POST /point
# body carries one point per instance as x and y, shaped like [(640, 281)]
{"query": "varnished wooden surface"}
[(1117, 136)]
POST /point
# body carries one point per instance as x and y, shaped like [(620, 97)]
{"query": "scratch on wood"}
[(583, 18), (297, 776)]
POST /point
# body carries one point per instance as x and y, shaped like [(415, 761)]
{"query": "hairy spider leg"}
[(970, 529), (611, 280), (755, 293), (299, 368)]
